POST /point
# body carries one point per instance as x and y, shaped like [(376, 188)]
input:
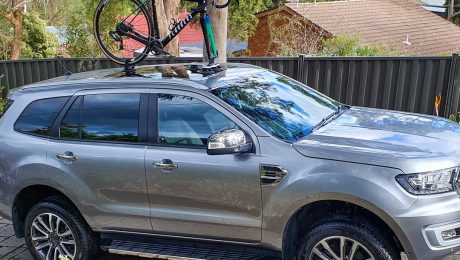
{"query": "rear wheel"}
[(54, 230), (114, 21), (345, 240)]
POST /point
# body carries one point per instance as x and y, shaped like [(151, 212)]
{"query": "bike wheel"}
[(115, 24)]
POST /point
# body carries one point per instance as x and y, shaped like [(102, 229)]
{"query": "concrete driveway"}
[(12, 248)]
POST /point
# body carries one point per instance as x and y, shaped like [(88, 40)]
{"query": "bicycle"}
[(128, 37)]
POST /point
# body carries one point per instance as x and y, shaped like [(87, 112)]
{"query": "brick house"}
[(403, 26)]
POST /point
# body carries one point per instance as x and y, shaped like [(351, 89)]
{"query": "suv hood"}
[(409, 142)]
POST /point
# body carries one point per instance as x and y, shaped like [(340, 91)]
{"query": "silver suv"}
[(182, 161)]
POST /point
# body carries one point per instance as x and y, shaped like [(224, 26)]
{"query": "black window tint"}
[(70, 123), (104, 117), (187, 121), (38, 117)]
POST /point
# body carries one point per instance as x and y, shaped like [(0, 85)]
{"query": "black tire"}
[(101, 33), (86, 242), (359, 231)]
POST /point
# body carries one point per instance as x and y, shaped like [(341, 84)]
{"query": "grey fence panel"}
[(453, 90), (397, 83), (400, 83)]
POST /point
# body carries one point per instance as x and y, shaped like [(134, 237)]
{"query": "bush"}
[(349, 46), (453, 118), (37, 42), (2, 101)]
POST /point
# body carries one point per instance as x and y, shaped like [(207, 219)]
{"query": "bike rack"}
[(207, 70), (129, 70)]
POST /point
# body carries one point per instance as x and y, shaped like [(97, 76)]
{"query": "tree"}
[(293, 35), (219, 21), (79, 33), (37, 42), (453, 11), (13, 12), (166, 11)]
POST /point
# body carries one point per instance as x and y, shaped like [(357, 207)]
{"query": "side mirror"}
[(231, 141)]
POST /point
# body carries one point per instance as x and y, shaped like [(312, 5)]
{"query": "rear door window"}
[(39, 116), (103, 117)]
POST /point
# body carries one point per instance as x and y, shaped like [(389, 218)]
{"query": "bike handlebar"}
[(224, 5)]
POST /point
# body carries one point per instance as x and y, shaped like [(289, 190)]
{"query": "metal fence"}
[(398, 83)]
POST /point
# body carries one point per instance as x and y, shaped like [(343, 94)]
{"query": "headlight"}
[(430, 182)]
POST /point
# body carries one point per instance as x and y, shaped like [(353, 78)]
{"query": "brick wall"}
[(261, 45)]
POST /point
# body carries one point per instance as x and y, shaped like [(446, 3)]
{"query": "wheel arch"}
[(308, 214), (29, 196)]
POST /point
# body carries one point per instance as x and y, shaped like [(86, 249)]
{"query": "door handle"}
[(166, 164), (67, 156)]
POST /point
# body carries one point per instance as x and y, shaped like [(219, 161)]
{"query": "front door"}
[(97, 155), (193, 193)]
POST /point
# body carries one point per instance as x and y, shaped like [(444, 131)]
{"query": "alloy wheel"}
[(340, 248), (52, 238)]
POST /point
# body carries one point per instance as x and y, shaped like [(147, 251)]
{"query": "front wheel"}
[(116, 25), (347, 240)]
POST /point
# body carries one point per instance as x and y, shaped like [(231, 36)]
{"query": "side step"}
[(186, 250)]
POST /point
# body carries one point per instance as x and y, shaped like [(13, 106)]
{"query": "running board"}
[(180, 251)]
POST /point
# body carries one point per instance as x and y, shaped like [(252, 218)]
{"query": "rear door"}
[(199, 195), (97, 156)]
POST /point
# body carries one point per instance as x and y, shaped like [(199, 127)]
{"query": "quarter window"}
[(104, 117), (39, 115), (186, 121)]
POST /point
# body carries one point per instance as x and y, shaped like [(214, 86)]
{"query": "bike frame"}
[(205, 22)]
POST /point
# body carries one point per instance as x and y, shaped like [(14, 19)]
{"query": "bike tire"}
[(105, 49)]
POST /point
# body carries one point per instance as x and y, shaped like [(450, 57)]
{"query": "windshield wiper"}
[(329, 118)]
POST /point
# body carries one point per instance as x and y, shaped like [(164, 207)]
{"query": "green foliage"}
[(242, 21), (349, 46), (5, 39), (79, 33), (453, 118), (2, 100), (2, 104), (37, 42)]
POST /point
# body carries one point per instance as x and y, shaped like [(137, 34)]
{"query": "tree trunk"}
[(219, 19), (450, 10), (166, 11), (16, 18)]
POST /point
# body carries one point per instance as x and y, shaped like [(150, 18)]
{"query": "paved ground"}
[(12, 248)]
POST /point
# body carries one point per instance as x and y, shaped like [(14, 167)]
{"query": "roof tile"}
[(385, 22)]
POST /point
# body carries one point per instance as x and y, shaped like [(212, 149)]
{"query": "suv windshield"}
[(285, 108)]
